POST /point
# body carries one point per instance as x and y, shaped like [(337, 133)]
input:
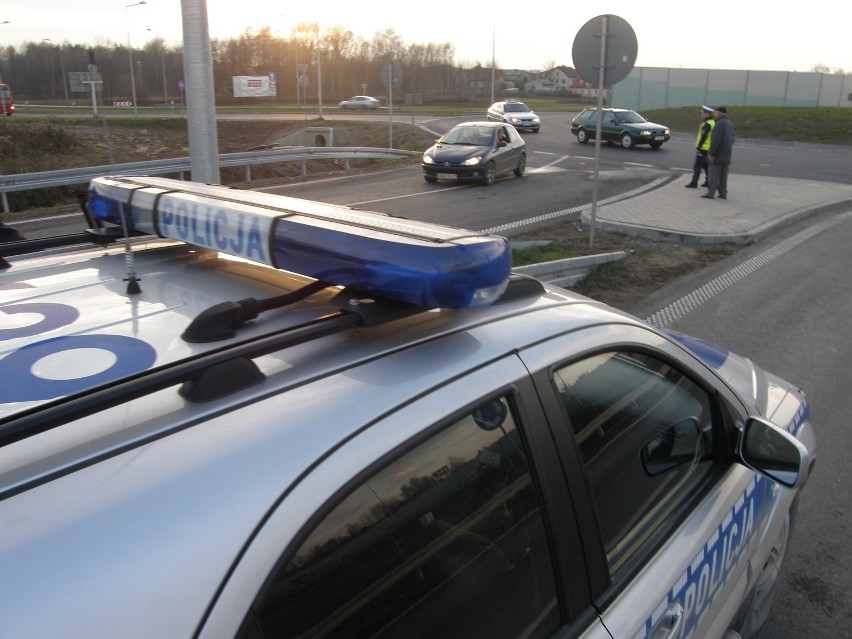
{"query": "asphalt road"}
[(559, 177)]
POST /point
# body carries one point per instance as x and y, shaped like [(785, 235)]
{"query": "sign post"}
[(604, 51), (302, 82), (391, 78), (87, 82)]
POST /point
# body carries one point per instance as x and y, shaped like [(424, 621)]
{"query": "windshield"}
[(475, 135), (516, 107), (631, 117)]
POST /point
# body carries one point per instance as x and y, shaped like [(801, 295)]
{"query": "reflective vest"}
[(705, 146)]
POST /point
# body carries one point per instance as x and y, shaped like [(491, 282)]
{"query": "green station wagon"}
[(624, 126)]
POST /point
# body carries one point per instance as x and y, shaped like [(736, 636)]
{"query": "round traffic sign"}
[(606, 42)]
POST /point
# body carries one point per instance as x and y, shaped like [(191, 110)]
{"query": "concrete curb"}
[(742, 239)]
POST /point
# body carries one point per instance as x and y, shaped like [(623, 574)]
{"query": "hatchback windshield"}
[(477, 135)]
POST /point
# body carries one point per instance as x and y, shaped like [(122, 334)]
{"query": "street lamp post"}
[(61, 69), (165, 82), (319, 76), (130, 54), (4, 22)]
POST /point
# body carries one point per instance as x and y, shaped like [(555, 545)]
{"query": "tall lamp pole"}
[(493, 59), (319, 76), (4, 22), (165, 83), (62, 69), (130, 53)]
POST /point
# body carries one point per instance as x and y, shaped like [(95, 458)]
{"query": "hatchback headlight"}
[(427, 159), (473, 161)]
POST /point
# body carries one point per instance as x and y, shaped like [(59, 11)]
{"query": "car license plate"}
[(660, 137), (447, 176)]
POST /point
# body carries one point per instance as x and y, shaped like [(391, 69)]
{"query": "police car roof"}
[(107, 406), (92, 368)]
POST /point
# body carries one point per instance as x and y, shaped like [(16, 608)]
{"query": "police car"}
[(516, 113), (245, 415)]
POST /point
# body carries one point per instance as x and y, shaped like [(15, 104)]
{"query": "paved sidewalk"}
[(755, 206)]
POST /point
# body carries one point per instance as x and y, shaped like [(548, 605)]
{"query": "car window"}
[(446, 540), (478, 136), (630, 117), (517, 107), (644, 432)]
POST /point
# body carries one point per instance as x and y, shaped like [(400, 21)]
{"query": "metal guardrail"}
[(569, 271), (82, 175)]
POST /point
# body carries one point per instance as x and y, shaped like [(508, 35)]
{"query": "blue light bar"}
[(415, 262)]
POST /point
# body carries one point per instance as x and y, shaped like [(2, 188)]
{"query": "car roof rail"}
[(208, 375)]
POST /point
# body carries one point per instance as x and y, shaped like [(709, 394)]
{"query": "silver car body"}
[(141, 513), (359, 102), (516, 113)]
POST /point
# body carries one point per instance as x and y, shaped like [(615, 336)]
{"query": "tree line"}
[(350, 65)]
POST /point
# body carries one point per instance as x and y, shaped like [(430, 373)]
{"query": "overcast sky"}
[(725, 34)]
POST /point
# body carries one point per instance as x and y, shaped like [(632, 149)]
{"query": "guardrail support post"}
[(5, 203), (248, 172)]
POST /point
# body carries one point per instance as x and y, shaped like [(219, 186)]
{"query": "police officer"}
[(702, 147)]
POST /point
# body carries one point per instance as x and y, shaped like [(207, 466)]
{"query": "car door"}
[(609, 126), (646, 434), (505, 156), (447, 518)]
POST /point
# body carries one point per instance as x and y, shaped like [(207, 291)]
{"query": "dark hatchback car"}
[(478, 151), (623, 126)]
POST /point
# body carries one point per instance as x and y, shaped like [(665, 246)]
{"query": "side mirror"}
[(491, 416), (502, 143), (773, 452), (676, 445)]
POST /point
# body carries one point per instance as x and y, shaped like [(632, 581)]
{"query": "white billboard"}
[(254, 86)]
